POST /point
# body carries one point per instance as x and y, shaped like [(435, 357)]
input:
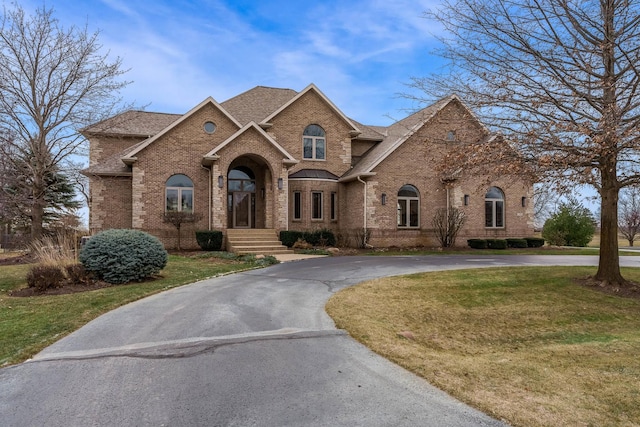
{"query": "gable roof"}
[(129, 157), (354, 129), (397, 134), (213, 154), (257, 103), (134, 123)]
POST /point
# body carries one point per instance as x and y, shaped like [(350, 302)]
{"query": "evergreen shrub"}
[(209, 240), (534, 242), (496, 244), (517, 243), (477, 243), (121, 256), (323, 237)]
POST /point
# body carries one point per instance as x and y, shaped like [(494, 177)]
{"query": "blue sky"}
[(360, 53)]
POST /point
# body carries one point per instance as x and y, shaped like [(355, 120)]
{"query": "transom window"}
[(494, 208), (179, 194), (313, 143), (408, 207)]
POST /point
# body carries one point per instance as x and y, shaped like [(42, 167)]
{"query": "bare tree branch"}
[(560, 80), (53, 82)]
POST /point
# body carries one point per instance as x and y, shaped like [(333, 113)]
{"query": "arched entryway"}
[(249, 190), (241, 197)]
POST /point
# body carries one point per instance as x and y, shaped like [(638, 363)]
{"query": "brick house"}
[(284, 160)]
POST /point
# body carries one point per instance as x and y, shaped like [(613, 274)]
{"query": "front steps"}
[(255, 241)]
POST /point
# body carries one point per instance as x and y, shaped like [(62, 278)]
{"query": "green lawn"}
[(27, 325), (527, 345)]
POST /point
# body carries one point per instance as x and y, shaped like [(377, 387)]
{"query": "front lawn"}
[(531, 346), (27, 325)]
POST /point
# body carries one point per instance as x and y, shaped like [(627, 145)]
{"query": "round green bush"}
[(477, 243), (121, 256), (496, 243), (571, 225), (516, 243), (209, 240)]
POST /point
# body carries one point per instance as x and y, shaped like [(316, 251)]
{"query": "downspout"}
[(447, 220), (364, 211)]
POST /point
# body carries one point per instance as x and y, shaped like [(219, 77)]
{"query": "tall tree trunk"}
[(609, 262)]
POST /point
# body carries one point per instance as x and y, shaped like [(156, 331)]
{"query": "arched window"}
[(313, 143), (408, 207), (494, 208), (179, 194)]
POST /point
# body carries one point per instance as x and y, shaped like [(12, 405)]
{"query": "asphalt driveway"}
[(252, 348)]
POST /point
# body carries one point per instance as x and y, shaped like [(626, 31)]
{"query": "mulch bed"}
[(66, 289)]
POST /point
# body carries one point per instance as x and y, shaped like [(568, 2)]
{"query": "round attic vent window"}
[(209, 127)]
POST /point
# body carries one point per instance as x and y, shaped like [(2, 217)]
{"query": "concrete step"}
[(255, 241)]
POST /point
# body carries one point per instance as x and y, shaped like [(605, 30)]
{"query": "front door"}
[(241, 209)]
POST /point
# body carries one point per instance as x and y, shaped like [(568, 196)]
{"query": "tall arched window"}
[(313, 143), (408, 207), (494, 208), (179, 194)]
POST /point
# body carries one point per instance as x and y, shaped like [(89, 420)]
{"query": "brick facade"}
[(362, 166)]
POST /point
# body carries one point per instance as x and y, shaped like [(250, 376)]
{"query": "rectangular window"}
[(319, 149), (308, 148), (187, 200), (334, 206), (402, 213), (172, 199), (413, 213), (297, 205), (488, 213), (499, 214), (316, 205)]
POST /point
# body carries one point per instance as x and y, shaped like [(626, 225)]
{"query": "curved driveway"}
[(252, 348)]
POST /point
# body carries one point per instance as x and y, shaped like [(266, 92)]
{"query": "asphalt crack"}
[(182, 348)]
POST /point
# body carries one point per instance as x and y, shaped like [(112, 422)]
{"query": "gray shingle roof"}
[(396, 134), (133, 123), (257, 103), (313, 174)]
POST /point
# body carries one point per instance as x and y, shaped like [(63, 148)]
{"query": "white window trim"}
[(179, 190), (494, 211)]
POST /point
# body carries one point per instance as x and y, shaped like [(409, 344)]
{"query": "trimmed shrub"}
[(516, 243), (477, 243), (534, 242), (209, 240), (43, 277), (322, 237), (289, 237), (122, 256), (496, 244)]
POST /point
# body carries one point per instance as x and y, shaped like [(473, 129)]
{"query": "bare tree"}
[(629, 213), (177, 219), (53, 82), (447, 223), (560, 80)]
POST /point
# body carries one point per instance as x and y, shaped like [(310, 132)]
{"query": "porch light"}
[(220, 181), (466, 200), (280, 184), (384, 198), (524, 202)]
